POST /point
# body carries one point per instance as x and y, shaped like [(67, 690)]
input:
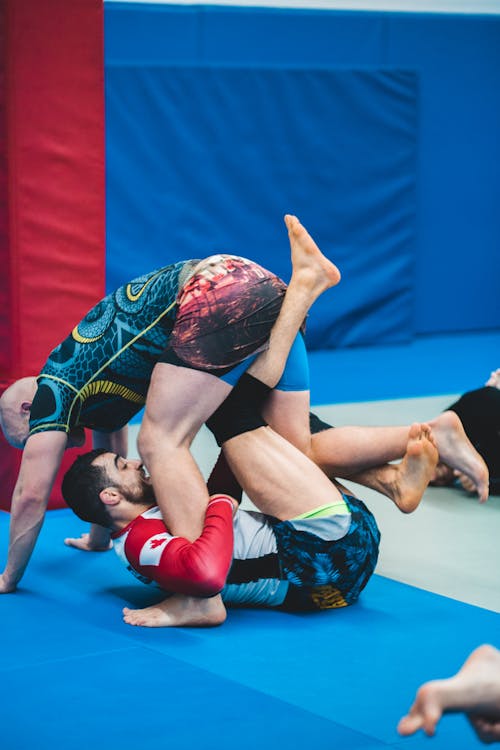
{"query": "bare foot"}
[(466, 483), (494, 379), (457, 452), (309, 264), (407, 481), (474, 690), (178, 611)]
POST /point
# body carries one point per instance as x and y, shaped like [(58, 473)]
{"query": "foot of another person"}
[(457, 452), (310, 267), (494, 379), (411, 476), (474, 690), (178, 611)]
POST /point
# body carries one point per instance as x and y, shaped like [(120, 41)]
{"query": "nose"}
[(136, 463)]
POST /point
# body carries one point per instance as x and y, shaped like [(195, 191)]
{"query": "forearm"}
[(99, 537), (41, 460), (196, 568), (25, 523)]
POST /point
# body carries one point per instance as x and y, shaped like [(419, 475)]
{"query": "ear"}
[(110, 496)]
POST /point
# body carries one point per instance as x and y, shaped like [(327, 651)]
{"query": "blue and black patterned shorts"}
[(326, 574)]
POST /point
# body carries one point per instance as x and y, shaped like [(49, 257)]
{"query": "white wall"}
[(413, 6)]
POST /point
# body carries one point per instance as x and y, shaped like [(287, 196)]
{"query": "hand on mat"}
[(85, 543), (5, 587)]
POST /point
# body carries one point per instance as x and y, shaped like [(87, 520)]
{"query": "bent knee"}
[(153, 438), (150, 439)]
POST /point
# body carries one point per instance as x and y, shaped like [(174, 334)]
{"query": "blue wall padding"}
[(449, 222), (219, 155)]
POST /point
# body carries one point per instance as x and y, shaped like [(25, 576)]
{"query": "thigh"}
[(225, 313), (180, 400), (287, 407), (287, 412), (277, 477)]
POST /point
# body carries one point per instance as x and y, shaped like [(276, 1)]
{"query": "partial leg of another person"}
[(355, 453), (494, 379), (474, 690), (479, 413), (181, 399)]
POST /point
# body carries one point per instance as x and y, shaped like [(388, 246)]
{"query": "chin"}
[(148, 494)]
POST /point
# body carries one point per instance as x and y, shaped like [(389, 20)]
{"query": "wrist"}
[(7, 583)]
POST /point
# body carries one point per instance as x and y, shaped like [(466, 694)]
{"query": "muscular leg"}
[(279, 479), (348, 451), (180, 400), (474, 690), (405, 482), (312, 275), (282, 482), (359, 453)]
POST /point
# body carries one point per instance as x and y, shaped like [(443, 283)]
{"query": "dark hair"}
[(81, 486)]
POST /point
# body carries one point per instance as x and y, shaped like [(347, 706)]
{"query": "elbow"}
[(24, 502), (150, 436), (209, 581), (28, 507), (213, 586)]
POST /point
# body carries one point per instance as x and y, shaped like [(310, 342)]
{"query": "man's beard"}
[(144, 496)]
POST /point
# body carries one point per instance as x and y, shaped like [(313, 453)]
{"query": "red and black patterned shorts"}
[(225, 313)]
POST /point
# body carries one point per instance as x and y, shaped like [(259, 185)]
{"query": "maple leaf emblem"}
[(154, 543)]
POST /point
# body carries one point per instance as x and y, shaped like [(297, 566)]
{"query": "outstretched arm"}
[(41, 460)]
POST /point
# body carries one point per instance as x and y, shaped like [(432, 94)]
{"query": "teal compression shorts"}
[(295, 376)]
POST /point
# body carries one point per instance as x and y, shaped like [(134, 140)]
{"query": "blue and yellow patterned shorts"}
[(325, 574)]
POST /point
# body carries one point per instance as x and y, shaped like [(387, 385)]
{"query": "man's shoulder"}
[(51, 404)]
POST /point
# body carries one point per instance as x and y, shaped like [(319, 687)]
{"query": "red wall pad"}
[(51, 185)]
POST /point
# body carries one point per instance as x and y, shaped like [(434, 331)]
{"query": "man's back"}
[(99, 375)]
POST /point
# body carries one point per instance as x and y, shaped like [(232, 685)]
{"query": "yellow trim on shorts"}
[(331, 509)]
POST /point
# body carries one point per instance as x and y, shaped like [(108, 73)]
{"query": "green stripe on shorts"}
[(331, 509)]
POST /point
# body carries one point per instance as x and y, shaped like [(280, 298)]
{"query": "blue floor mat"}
[(75, 675), (428, 366)]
